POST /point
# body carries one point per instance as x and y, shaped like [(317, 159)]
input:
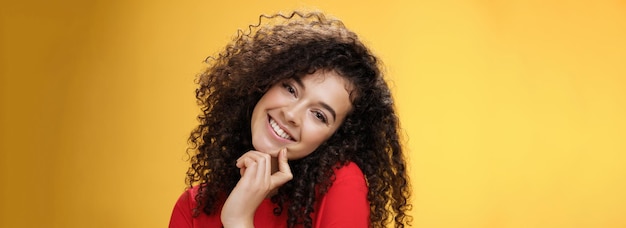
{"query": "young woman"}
[(297, 129)]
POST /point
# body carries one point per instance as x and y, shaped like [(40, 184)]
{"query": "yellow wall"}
[(514, 111)]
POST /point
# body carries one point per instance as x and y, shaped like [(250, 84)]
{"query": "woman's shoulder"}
[(350, 174), (349, 169), (187, 200), (345, 203), (183, 213), (189, 195)]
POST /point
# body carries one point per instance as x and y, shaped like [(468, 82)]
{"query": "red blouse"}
[(344, 205)]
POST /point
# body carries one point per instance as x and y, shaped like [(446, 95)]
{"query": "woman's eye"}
[(320, 116), (289, 88)]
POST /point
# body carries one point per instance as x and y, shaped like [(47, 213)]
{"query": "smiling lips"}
[(279, 131)]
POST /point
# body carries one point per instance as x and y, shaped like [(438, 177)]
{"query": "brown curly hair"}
[(293, 46)]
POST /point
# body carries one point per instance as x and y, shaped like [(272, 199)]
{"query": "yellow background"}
[(513, 111)]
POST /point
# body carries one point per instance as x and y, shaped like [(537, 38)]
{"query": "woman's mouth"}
[(279, 131)]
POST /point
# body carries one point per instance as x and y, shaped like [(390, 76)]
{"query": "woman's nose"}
[(293, 114)]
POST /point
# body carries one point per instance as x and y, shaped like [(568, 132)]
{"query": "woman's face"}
[(300, 114)]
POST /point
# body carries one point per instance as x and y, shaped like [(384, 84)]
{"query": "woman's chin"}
[(272, 151)]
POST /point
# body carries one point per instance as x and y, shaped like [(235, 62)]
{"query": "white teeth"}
[(278, 130)]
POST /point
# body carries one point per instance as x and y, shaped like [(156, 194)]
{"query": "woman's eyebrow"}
[(299, 82), (330, 109)]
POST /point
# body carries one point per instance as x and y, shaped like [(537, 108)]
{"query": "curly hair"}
[(293, 46)]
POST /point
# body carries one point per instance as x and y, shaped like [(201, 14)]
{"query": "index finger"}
[(284, 171)]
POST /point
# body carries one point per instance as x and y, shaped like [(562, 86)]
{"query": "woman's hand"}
[(256, 182)]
